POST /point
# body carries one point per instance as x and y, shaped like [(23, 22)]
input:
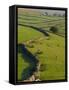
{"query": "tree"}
[(46, 13), (54, 29)]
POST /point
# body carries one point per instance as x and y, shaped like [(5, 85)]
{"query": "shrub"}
[(42, 67), (38, 51), (54, 29), (30, 45), (32, 41)]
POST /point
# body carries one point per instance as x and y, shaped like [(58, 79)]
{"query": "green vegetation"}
[(26, 33), (54, 29), (49, 50), (21, 65)]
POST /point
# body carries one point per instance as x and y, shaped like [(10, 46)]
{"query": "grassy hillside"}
[(42, 21), (52, 56), (26, 33)]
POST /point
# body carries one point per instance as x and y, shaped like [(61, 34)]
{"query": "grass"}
[(21, 66), (42, 21), (26, 33), (52, 57), (52, 47)]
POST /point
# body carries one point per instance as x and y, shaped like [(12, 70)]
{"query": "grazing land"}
[(48, 49)]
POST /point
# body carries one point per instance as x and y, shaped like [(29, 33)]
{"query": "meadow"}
[(48, 50)]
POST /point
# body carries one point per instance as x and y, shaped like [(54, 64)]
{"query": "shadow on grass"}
[(36, 28), (29, 58)]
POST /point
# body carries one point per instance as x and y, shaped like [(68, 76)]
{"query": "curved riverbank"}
[(30, 73)]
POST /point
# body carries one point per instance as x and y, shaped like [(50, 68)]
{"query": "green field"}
[(52, 47)]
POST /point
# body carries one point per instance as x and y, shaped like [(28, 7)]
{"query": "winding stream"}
[(31, 59)]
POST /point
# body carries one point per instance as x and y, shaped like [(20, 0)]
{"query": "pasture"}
[(49, 50)]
